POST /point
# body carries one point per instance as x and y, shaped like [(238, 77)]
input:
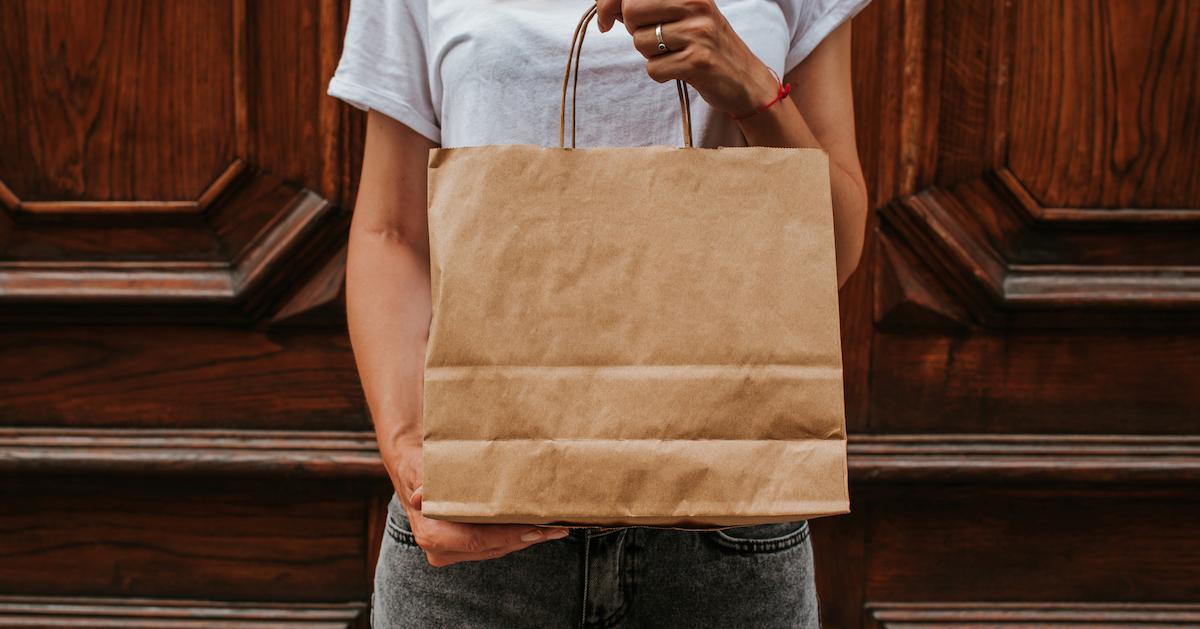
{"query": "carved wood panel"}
[(183, 440), (1028, 453), (168, 160)]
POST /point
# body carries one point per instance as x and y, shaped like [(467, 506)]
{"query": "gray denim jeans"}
[(751, 576)]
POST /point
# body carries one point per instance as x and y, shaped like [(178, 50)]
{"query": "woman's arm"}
[(387, 287), (388, 310), (819, 113)]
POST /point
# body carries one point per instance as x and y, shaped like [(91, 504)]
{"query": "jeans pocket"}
[(761, 538), (397, 527)]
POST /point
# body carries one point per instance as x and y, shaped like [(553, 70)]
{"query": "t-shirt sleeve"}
[(385, 65), (810, 21)]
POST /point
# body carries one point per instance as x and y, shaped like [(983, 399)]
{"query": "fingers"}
[(674, 35), (446, 542), (690, 49), (440, 535), (441, 559), (666, 67), (636, 14), (607, 12), (477, 542)]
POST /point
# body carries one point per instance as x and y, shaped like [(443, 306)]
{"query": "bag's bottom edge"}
[(440, 511)]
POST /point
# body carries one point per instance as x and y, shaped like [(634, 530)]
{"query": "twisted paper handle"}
[(685, 105)]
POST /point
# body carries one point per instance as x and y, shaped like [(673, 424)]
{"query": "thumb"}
[(415, 499)]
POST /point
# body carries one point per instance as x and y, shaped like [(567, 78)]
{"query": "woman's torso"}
[(496, 75)]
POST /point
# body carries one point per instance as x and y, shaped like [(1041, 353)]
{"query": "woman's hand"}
[(704, 50), (447, 543)]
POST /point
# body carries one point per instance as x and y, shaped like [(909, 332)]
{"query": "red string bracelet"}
[(784, 90)]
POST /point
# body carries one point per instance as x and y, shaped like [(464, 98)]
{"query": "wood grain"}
[(26, 612), (1107, 99), (163, 376), (221, 539), (1044, 544), (1041, 382), (114, 99), (1063, 614), (976, 458)]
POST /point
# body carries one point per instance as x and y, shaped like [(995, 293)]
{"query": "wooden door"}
[(182, 434), (182, 431), (1022, 347)]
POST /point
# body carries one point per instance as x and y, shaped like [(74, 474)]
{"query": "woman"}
[(463, 72)]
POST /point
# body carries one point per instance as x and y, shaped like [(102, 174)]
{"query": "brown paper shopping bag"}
[(664, 353)]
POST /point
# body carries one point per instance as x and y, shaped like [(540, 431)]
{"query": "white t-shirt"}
[(474, 72)]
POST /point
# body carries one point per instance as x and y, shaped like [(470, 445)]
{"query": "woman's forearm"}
[(387, 311), (783, 125), (387, 285)]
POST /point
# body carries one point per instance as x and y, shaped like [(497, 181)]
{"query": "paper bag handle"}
[(685, 105)]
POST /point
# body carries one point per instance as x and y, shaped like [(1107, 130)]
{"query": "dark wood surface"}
[(183, 440)]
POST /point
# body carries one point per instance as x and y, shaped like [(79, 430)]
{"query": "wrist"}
[(760, 87), (401, 460), (397, 437), (403, 442)]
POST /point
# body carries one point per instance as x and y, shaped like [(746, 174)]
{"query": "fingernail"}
[(559, 534), (531, 536)]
